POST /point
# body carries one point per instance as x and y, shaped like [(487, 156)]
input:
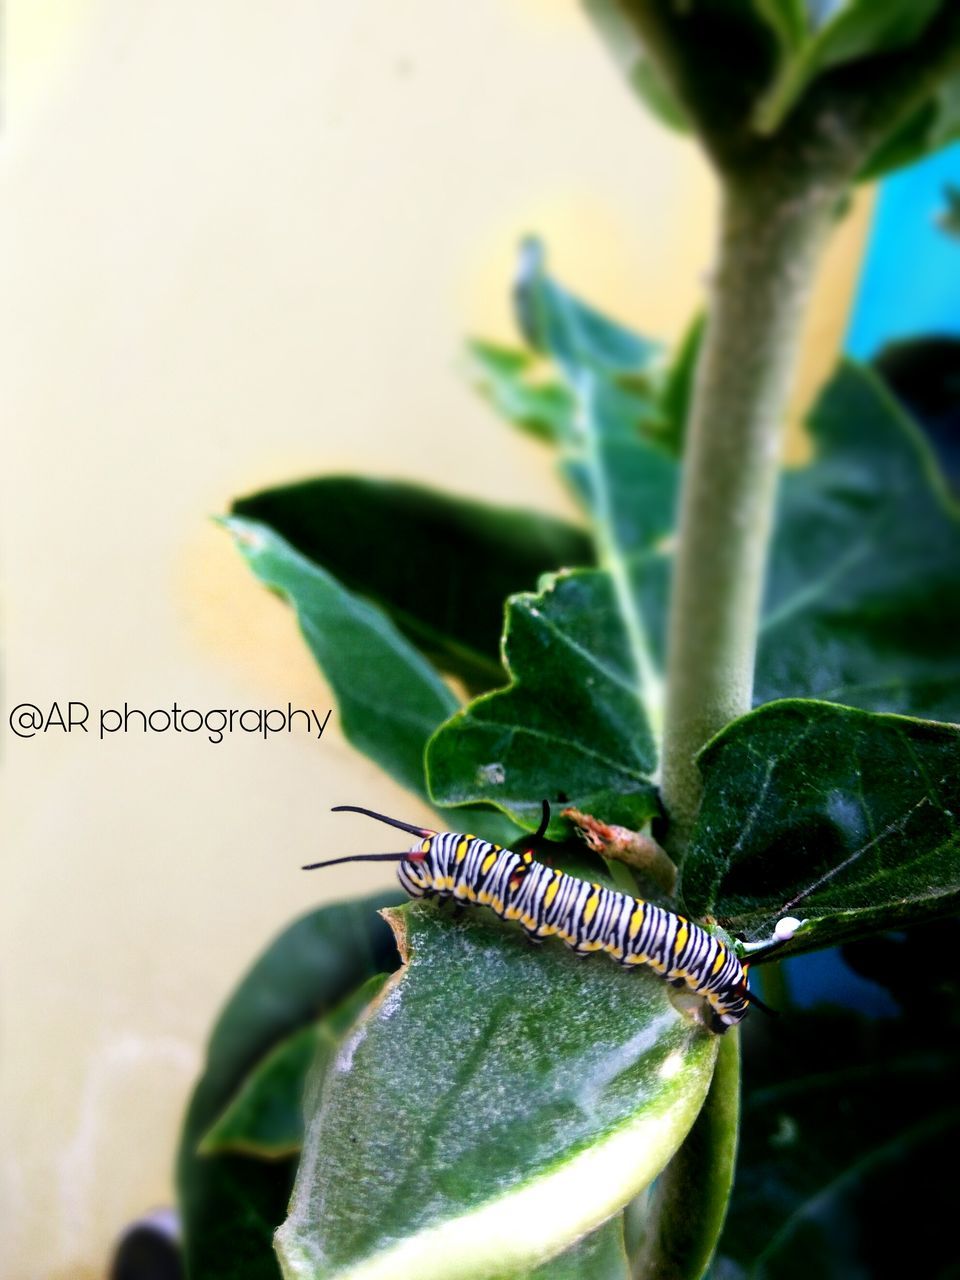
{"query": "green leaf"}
[(841, 818), (519, 745), (850, 1123), (639, 70), (575, 334), (676, 395), (863, 594), (230, 1204), (688, 1203), (571, 717), (863, 605), (933, 124), (601, 1255), (390, 698), (855, 29), (469, 1129), (265, 1117), (439, 567), (515, 384)]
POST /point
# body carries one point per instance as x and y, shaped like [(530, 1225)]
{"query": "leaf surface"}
[(468, 1130), (571, 719), (265, 1117), (841, 818), (828, 38), (390, 698), (439, 567), (863, 596), (230, 1204), (863, 605), (850, 1123)]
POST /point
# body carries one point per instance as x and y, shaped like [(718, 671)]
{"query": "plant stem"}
[(772, 228)]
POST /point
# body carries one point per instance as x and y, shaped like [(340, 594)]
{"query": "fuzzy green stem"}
[(772, 229)]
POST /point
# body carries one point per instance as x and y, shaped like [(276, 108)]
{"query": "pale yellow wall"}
[(240, 243)]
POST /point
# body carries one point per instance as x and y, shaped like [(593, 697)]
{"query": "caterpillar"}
[(546, 902)]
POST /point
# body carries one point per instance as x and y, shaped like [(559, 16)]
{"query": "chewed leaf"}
[(842, 819), (497, 1103)]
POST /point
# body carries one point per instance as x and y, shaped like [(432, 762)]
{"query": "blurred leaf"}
[(590, 732), (613, 452), (439, 567), (572, 713), (514, 383), (599, 1256), (390, 698), (949, 219), (842, 818), (924, 375), (849, 1126), (930, 126), (465, 1133), (575, 334), (636, 66), (863, 605), (265, 1117), (851, 30), (647, 81), (863, 594), (230, 1205), (676, 395)]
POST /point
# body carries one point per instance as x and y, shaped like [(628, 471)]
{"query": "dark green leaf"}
[(571, 721), (390, 698), (230, 1205), (469, 1129), (863, 605), (857, 29), (924, 376), (265, 1117), (676, 394), (863, 595), (850, 1126), (931, 125), (439, 567), (841, 818)]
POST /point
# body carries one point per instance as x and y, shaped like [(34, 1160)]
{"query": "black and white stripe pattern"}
[(587, 917)]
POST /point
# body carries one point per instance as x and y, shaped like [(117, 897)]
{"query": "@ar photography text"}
[(28, 719)]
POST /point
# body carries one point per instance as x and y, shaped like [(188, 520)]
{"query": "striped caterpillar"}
[(588, 917)]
